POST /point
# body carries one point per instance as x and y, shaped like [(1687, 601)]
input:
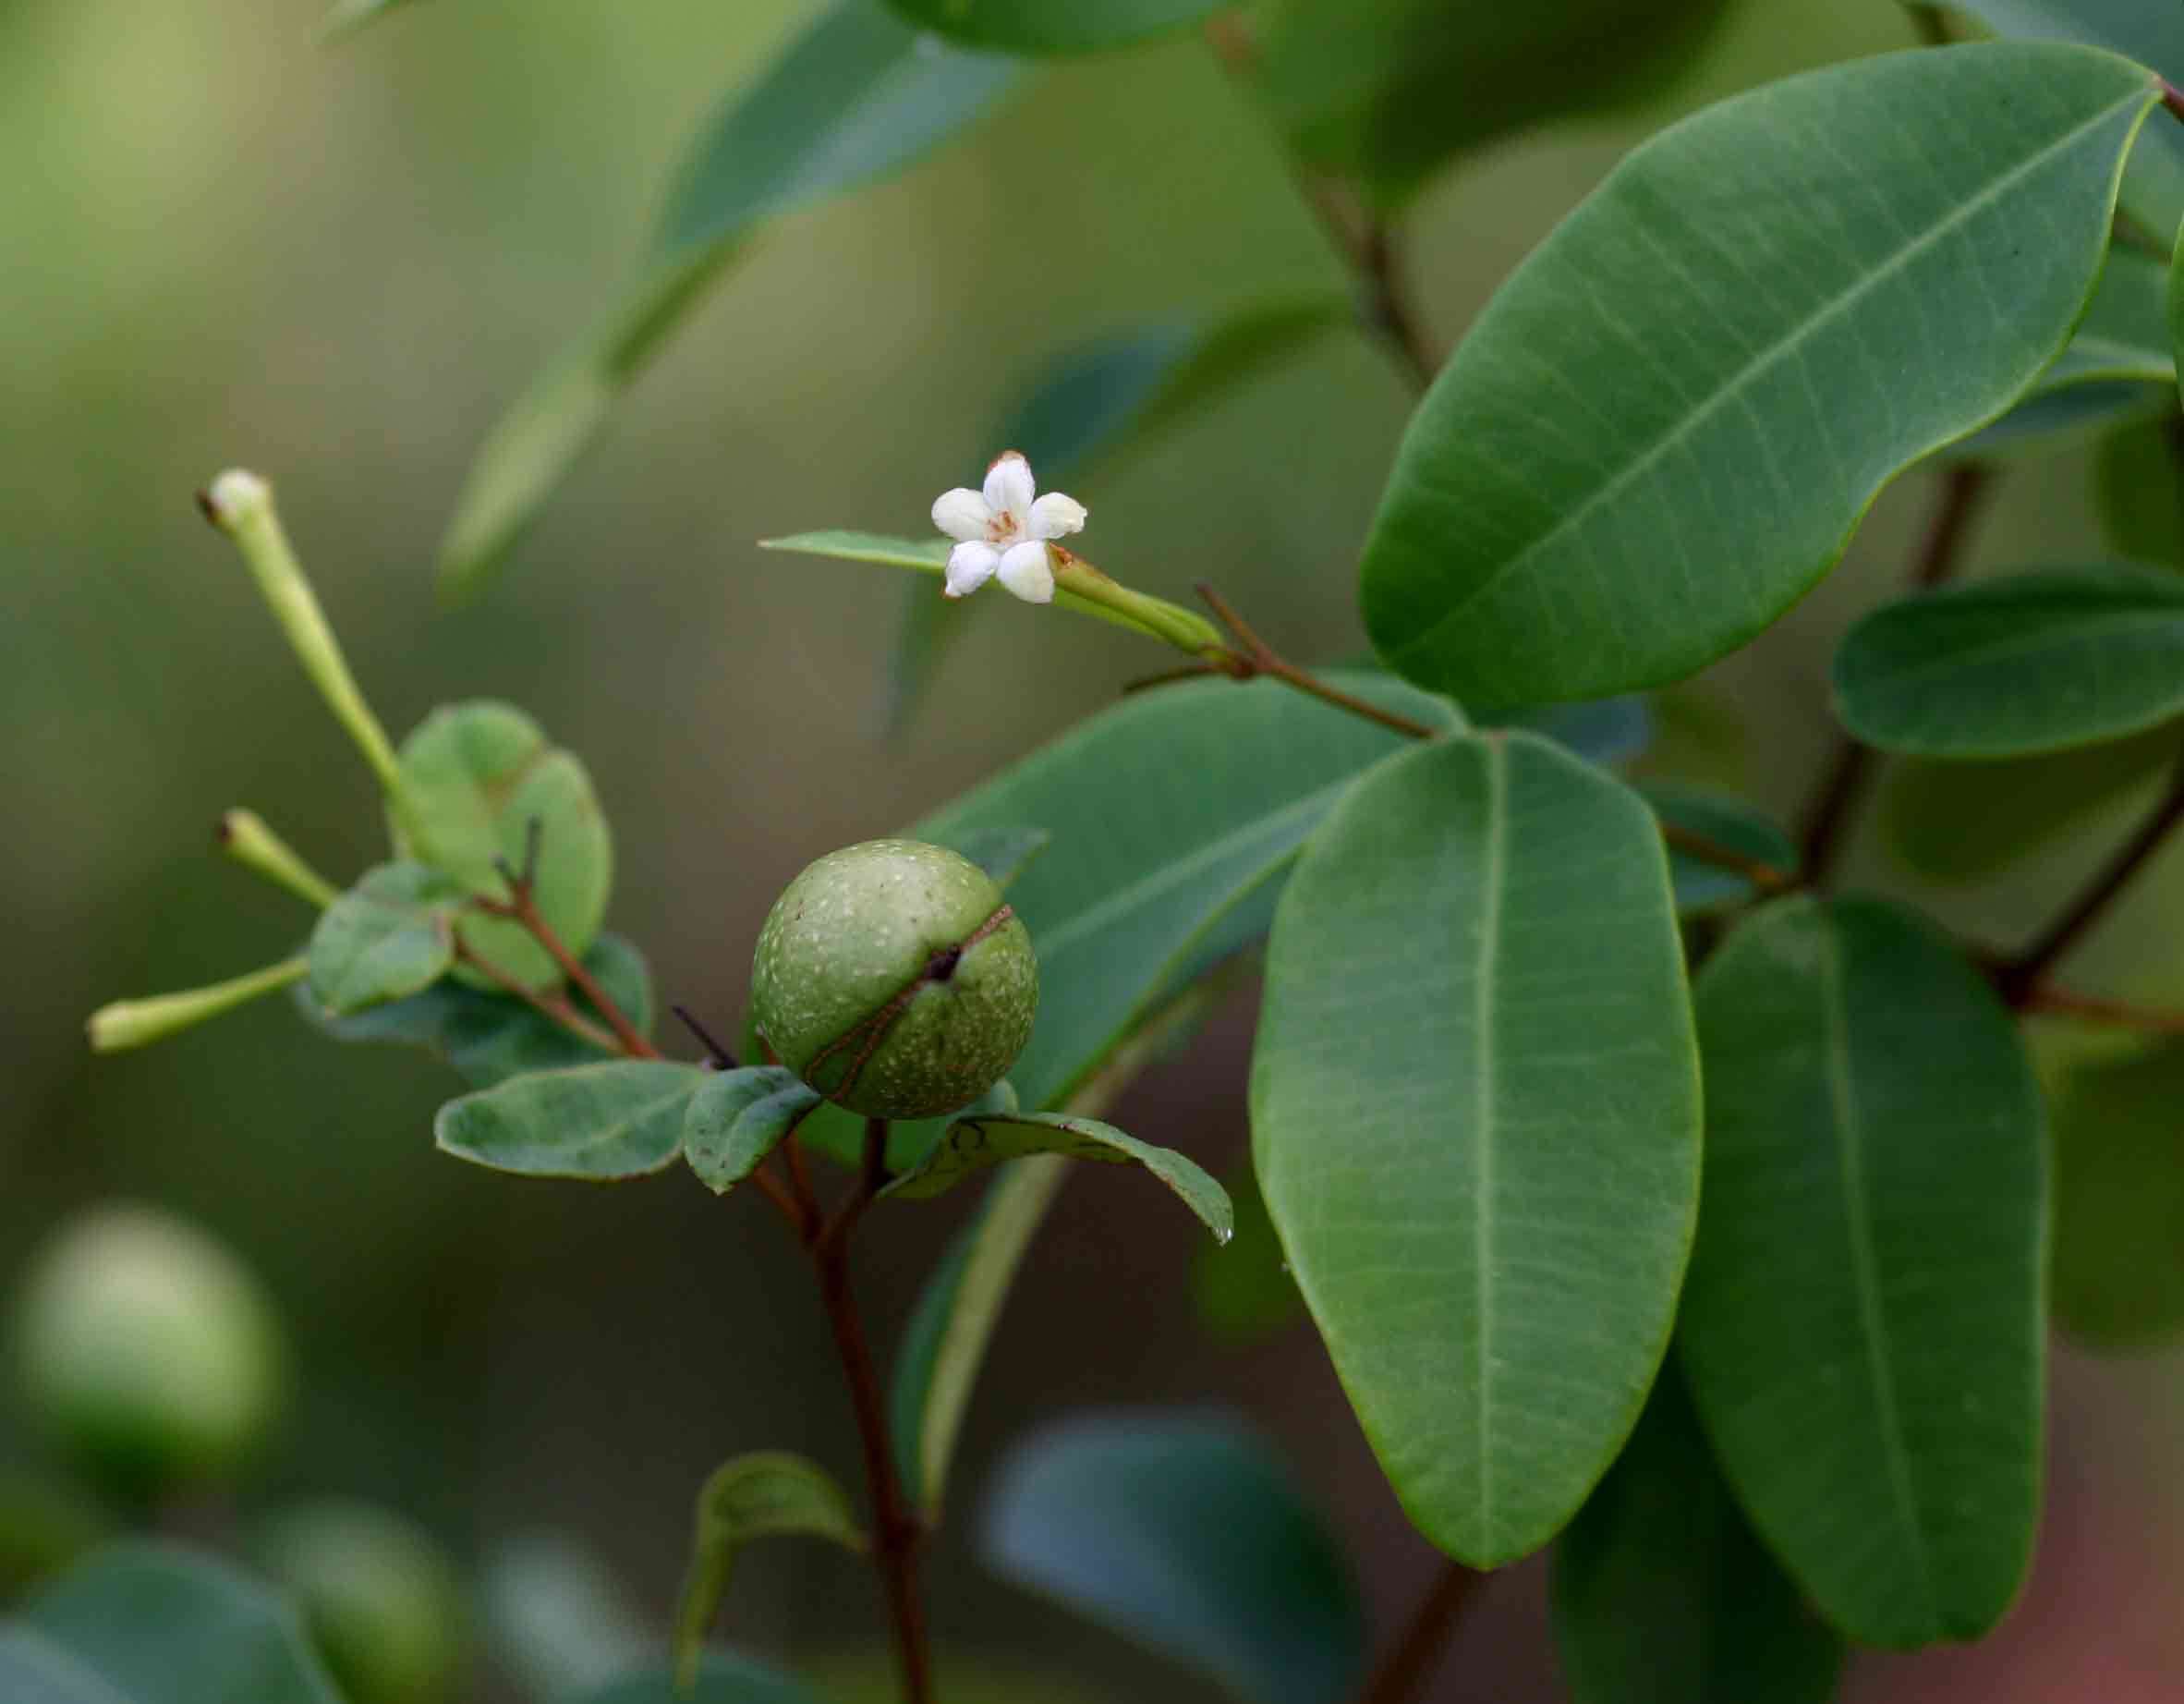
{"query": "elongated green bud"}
[(245, 837), (137, 1023)]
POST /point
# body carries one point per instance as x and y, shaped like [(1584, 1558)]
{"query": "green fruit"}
[(890, 978), (147, 1350), (383, 1602)]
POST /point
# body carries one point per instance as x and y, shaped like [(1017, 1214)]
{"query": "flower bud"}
[(890, 978), (383, 1602), (146, 1349)]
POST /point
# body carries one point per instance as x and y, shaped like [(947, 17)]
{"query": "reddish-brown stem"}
[(1963, 485), (2173, 98), (522, 906), (2060, 1002), (553, 1007), (897, 1531), (1408, 1666), (2020, 978)]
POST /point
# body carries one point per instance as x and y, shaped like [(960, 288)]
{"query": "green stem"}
[(241, 505), (136, 1023)]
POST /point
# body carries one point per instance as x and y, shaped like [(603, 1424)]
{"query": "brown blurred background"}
[(223, 243)]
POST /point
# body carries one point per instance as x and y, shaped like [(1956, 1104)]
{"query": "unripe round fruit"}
[(146, 1349), (892, 979), (383, 1602)]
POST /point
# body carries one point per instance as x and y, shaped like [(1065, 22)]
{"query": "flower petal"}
[(1009, 487), (1054, 516), (961, 514), (970, 565), (1029, 571)]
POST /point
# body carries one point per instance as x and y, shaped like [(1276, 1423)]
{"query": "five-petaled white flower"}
[(1004, 530)]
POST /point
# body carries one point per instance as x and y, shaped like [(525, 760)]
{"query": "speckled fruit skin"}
[(857, 987)]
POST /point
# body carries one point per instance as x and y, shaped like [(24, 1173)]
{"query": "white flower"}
[(1004, 530)]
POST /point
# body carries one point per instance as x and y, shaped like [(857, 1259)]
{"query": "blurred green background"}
[(227, 244)]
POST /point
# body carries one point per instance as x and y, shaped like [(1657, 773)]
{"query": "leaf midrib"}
[(1484, 1094), (1850, 1157), (1769, 357)]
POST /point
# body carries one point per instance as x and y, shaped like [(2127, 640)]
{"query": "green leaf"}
[(1959, 822), (2138, 491), (1187, 1534), (1730, 823), (1475, 1118), (945, 1341), (348, 15), (34, 1669), (619, 1119), (2013, 667), (721, 1679), (2120, 1200), (925, 556), (1864, 1325), (492, 1036), (1053, 26), (973, 1144), (1389, 91), (1243, 1291), (1664, 428), (1002, 852), (766, 1495), (737, 1118), (1662, 1594), (1606, 731), (855, 98), (477, 776), (2152, 31), (1131, 384), (1168, 810), (158, 1625), (388, 937)]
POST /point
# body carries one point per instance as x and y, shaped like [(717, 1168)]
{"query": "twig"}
[(550, 1006), (2019, 978), (1409, 1663), (1964, 483), (522, 906), (2060, 1002), (897, 1531), (722, 1059)]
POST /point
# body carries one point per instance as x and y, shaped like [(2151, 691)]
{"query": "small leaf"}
[(766, 1495), (2139, 490), (492, 1036), (1002, 852), (945, 1342), (721, 1679), (972, 1144), (1391, 90), (1475, 1118), (2152, 31), (1959, 822), (158, 1625), (1662, 1593), (2017, 666), (855, 98), (2120, 1200), (1665, 427), (478, 774), (388, 937), (737, 1118), (623, 1118), (1053, 26), (1727, 821), (1864, 1324), (1187, 1534)]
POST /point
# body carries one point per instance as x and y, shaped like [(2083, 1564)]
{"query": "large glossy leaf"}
[(1241, 1290), (1185, 1534), (1957, 823), (156, 1625), (974, 1144), (1167, 809), (1475, 1118), (766, 1495), (477, 776), (1865, 1320), (2152, 31), (1387, 90), (389, 937), (492, 1036), (2017, 666), (620, 1119), (721, 1679), (1662, 1593), (857, 97), (1053, 26), (1664, 428), (2120, 1200)]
